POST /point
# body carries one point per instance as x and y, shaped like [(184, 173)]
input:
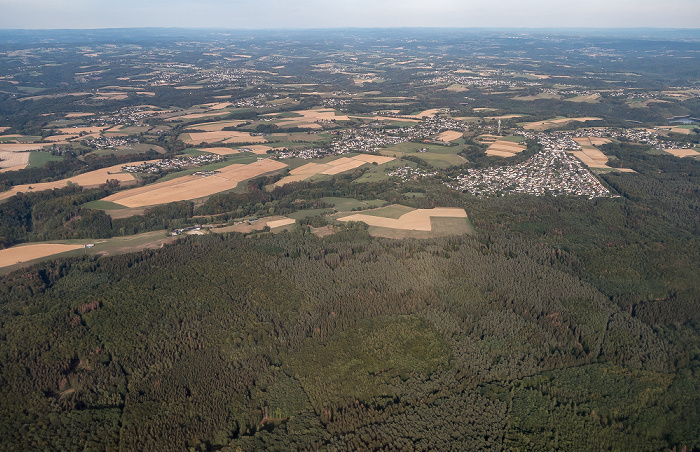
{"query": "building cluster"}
[(174, 164), (406, 173), (258, 101), (485, 82), (110, 142), (126, 116), (550, 171)]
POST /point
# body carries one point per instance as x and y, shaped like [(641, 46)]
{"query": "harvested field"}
[(190, 87), (25, 253), (78, 115), (54, 138), (538, 96), (220, 151), (90, 179), (215, 126), (415, 220), (308, 118), (450, 135), (331, 168), (221, 136), (432, 112), (3, 129), (192, 187), (503, 148), (682, 152), (588, 99), (591, 157), (197, 115), (552, 123), (503, 117), (282, 222), (17, 160), (22, 147)]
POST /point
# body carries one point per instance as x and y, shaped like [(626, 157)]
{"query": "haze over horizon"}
[(265, 14)]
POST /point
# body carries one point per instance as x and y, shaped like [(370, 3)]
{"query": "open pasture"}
[(192, 187), (215, 126), (220, 151)]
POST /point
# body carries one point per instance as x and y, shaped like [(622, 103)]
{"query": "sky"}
[(257, 14)]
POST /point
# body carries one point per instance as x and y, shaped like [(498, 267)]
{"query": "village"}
[(551, 171)]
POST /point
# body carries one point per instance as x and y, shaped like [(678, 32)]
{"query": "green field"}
[(39, 159), (394, 211), (301, 214), (27, 138), (513, 139), (377, 173), (437, 156), (242, 158), (349, 204)]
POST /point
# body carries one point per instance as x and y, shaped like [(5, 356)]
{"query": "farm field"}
[(386, 221), (683, 152), (540, 126), (308, 118), (89, 179), (538, 97), (25, 253), (436, 155), (450, 135), (221, 137), (11, 161), (504, 148), (332, 167), (215, 126), (592, 157), (192, 187)]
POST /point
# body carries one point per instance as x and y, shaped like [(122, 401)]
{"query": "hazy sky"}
[(348, 13)]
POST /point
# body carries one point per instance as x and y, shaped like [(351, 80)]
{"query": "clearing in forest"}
[(193, 187)]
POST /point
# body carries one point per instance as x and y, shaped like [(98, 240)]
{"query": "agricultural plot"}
[(586, 99), (25, 253), (89, 179), (216, 126), (682, 152), (221, 137), (504, 148), (540, 126), (330, 168), (193, 187), (592, 157), (450, 135), (12, 161), (309, 118), (398, 221), (436, 155), (538, 97), (220, 151)]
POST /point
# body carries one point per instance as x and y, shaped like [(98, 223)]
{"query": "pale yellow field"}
[(450, 135), (331, 168), (592, 157), (503, 148), (432, 112), (676, 129), (386, 118), (17, 160), (54, 138), (220, 151), (193, 187), (21, 147), (221, 136), (309, 117), (551, 123), (417, 220), (682, 152), (78, 115), (90, 179), (78, 130), (503, 117), (457, 88), (197, 115), (282, 222), (190, 87), (215, 126), (24, 253), (260, 149), (2, 129)]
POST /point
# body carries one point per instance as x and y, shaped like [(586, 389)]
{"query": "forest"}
[(562, 324)]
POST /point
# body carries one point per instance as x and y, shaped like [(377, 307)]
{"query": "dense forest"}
[(563, 323)]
